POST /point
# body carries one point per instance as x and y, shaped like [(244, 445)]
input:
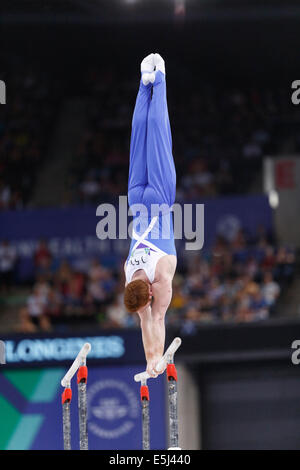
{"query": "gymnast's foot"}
[(159, 63), (147, 69)]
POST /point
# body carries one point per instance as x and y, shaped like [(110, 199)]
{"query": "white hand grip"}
[(80, 359), (163, 362)]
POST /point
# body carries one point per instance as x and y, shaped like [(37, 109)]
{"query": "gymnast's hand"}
[(151, 366)]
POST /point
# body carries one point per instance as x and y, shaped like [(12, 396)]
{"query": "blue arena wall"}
[(71, 232)]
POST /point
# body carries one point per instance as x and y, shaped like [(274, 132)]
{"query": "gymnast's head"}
[(137, 295)]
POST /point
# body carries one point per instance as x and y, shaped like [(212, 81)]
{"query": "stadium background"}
[(71, 70)]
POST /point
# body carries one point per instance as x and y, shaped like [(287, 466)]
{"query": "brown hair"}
[(136, 295)]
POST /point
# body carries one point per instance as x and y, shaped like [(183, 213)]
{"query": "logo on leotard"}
[(140, 256)]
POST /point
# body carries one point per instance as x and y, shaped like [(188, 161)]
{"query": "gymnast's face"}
[(148, 304), (150, 296), (150, 292)]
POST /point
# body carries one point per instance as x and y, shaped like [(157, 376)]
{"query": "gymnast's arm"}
[(162, 286), (162, 296), (153, 324)]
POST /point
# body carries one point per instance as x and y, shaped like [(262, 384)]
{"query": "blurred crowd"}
[(64, 296), (220, 136), (26, 124), (238, 280)]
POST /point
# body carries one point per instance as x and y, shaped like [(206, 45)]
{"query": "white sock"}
[(159, 63), (147, 64), (147, 68)]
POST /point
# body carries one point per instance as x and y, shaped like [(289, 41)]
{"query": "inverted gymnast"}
[(151, 263)]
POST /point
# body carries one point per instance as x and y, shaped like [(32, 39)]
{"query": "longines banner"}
[(30, 402), (114, 347)]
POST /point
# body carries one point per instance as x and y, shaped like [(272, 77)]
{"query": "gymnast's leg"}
[(160, 164), (138, 178)]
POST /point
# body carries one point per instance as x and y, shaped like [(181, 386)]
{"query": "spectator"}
[(117, 316), (285, 265), (5, 195), (42, 256), (258, 306), (37, 307), (270, 289), (8, 257), (90, 189)]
